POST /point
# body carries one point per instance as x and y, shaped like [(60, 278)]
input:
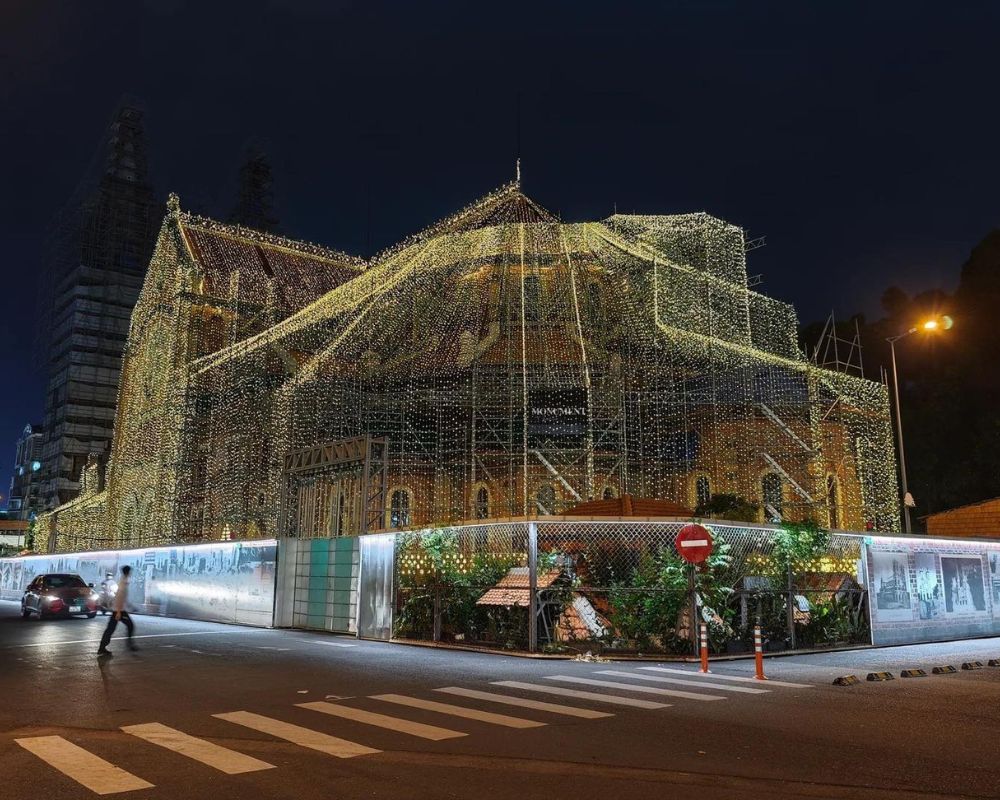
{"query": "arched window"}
[(482, 503), (773, 492), (399, 509), (702, 490), (545, 499), (831, 501)]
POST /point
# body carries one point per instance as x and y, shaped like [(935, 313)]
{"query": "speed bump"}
[(994, 662), (945, 670), (912, 673), (972, 665), (846, 680), (880, 676)]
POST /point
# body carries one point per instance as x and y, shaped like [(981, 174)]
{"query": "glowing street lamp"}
[(931, 325)]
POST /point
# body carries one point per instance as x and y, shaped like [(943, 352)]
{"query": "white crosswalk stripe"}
[(613, 699), (538, 705), (740, 678), (633, 688), (98, 775), (222, 758), (681, 682), (296, 734), (459, 711), (383, 721)]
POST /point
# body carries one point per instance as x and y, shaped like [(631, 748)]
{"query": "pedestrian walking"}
[(119, 614)]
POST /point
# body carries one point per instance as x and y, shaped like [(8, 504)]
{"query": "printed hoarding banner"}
[(219, 581)]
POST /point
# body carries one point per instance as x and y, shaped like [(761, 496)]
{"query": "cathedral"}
[(500, 364)]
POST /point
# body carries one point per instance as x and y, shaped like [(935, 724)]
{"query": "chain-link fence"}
[(618, 587)]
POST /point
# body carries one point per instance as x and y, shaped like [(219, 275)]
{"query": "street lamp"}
[(928, 326)]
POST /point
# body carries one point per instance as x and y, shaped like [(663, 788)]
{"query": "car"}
[(59, 595)]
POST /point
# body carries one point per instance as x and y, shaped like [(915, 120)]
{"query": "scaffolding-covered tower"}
[(499, 364)]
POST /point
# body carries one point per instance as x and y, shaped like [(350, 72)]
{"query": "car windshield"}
[(63, 581)]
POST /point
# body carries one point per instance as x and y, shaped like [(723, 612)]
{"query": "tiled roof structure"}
[(628, 506), (975, 520), (298, 273), (512, 588)]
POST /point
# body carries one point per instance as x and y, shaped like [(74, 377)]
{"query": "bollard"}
[(758, 653), (704, 648)]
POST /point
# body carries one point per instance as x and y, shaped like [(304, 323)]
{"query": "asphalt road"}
[(930, 737)]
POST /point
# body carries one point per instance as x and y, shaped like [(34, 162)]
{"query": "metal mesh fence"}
[(621, 588)]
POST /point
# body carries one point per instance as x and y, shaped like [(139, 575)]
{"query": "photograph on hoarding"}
[(930, 589), (964, 591), (891, 585), (994, 559)]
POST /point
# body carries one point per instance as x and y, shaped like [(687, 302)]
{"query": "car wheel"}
[(25, 612), (91, 615)]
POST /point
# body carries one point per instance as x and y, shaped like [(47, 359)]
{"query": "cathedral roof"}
[(298, 272), (506, 205)]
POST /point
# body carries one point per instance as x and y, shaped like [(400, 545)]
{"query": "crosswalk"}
[(532, 705)]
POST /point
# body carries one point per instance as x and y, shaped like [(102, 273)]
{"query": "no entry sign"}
[(694, 543)]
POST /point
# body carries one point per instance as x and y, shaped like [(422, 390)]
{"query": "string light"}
[(518, 365)]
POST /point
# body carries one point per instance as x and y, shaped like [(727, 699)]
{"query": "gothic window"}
[(703, 490), (545, 499), (831, 501), (399, 509), (772, 490), (482, 504)]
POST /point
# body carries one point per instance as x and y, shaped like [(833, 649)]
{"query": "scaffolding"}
[(516, 365)]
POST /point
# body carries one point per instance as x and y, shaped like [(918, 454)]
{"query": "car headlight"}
[(50, 597), (95, 596)]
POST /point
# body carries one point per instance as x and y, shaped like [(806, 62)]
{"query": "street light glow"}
[(931, 325)]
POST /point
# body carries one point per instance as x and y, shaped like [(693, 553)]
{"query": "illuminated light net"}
[(516, 364)]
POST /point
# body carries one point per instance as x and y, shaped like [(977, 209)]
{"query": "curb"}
[(880, 676), (846, 680), (912, 673), (945, 670)]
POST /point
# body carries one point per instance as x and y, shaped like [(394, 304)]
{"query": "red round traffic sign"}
[(694, 543)]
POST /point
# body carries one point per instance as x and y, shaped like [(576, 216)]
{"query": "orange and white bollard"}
[(758, 653), (704, 648)]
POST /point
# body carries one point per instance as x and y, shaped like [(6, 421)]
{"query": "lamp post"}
[(929, 326)]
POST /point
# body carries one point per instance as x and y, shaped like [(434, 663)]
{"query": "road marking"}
[(341, 748), (268, 647), (459, 711), (383, 721), (632, 688), (222, 758), (716, 676), (124, 636), (85, 768), (511, 700), (682, 682), (614, 699), (329, 644)]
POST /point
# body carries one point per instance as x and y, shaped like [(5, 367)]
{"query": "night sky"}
[(862, 140)]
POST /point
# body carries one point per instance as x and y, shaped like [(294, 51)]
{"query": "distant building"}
[(978, 520), (25, 498), (100, 249)]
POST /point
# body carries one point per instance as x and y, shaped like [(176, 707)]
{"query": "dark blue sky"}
[(861, 139)]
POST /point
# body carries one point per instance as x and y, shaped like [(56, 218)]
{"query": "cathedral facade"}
[(499, 364)]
